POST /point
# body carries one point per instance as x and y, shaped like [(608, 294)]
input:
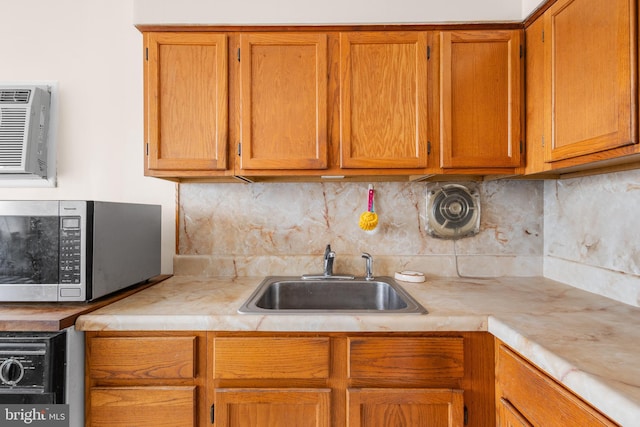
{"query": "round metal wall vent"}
[(453, 210)]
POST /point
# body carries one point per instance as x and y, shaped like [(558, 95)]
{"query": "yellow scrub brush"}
[(369, 219)]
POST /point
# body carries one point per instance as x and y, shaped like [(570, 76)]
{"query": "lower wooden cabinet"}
[(525, 396), (146, 379), (289, 379), (340, 379), (271, 381), (328, 379), (426, 363)]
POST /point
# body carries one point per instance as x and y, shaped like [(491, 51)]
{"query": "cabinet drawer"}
[(406, 358), (143, 406), (142, 357), (538, 398), (270, 358)]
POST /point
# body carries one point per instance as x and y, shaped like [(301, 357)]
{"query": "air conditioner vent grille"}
[(13, 96), (12, 136), (24, 122)]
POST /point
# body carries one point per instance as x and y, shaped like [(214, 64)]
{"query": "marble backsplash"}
[(591, 235), (283, 228)]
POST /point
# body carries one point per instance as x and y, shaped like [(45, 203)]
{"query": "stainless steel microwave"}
[(64, 250)]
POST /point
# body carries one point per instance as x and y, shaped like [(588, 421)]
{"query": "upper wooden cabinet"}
[(283, 101), (387, 101), (185, 103), (534, 105), (383, 100), (582, 87), (294, 102), (589, 49), (481, 99)]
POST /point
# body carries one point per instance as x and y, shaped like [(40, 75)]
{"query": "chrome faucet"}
[(329, 256), (368, 266)]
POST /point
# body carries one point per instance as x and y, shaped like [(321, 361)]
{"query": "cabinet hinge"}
[(146, 149), (428, 52), (213, 414), (521, 147), (239, 148), (542, 141), (466, 415), (542, 36), (428, 147), (238, 54), (521, 51), (146, 53)]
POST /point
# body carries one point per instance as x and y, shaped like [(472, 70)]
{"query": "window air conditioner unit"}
[(24, 125)]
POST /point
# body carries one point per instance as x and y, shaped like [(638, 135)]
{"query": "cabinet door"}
[(509, 416), (537, 397), (383, 99), (142, 406), (272, 407), (283, 100), (405, 407), (589, 80), (481, 99), (186, 101), (534, 89)]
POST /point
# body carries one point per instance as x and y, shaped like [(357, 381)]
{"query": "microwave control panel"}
[(70, 250)]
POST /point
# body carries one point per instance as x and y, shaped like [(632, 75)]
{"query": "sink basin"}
[(289, 295)]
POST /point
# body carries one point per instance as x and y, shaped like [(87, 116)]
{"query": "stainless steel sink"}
[(290, 295)]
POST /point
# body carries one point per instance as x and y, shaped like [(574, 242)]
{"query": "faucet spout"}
[(329, 256)]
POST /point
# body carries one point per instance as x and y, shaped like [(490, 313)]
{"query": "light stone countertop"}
[(588, 343)]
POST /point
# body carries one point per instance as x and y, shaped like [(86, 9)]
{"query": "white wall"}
[(94, 53), (328, 11)]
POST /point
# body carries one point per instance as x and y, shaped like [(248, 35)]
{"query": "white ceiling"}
[(217, 12)]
